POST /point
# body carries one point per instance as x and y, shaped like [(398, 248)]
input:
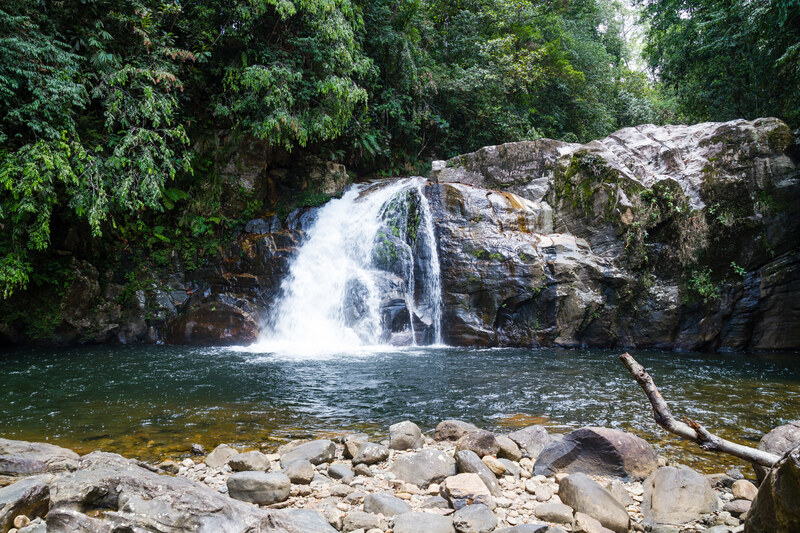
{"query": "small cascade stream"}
[(367, 274)]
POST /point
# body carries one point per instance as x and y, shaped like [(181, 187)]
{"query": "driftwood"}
[(690, 429)]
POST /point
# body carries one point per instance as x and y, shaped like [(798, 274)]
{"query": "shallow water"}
[(154, 401)]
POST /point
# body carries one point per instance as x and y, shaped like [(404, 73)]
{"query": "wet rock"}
[(252, 460), (370, 453), (340, 471), (466, 489), (423, 523), (586, 496), (777, 504), (29, 496), (677, 495), (554, 512), (300, 471), (477, 518), (425, 467), (744, 490), (219, 456), (531, 440), (778, 441), (261, 226), (22, 458), (452, 429), (386, 504), (405, 436), (213, 323), (316, 452), (508, 449), (259, 487), (598, 451), (468, 462), (479, 441)]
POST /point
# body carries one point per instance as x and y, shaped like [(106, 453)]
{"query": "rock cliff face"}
[(674, 237), (680, 237)]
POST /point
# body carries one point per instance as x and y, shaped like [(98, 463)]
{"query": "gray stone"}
[(405, 436), (777, 504), (424, 467), (370, 453), (554, 512), (677, 495), (435, 502), (219, 456), (362, 520), (363, 470), (531, 440), (38, 527), (352, 443), (508, 449), (423, 523), (261, 226), (737, 507), (474, 519), (468, 462), (21, 458), (29, 496), (598, 451), (301, 471), (778, 441), (586, 524), (386, 504), (718, 529), (309, 521), (316, 452), (744, 490), (466, 489), (259, 487), (479, 441), (452, 429), (586, 496), (618, 490), (253, 460), (340, 471), (512, 468), (530, 528)]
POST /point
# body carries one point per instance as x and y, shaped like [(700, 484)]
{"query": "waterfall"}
[(366, 274)]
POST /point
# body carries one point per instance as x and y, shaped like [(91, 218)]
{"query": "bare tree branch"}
[(690, 429)]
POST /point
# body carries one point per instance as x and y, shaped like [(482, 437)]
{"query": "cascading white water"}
[(367, 264)]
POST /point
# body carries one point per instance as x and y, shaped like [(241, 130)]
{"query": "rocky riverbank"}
[(459, 479)]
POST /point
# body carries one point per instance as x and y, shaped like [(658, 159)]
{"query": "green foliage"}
[(726, 60), (701, 283), (741, 271)]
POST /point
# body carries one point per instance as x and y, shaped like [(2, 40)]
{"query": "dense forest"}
[(111, 113)]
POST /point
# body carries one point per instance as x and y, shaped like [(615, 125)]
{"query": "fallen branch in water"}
[(690, 430)]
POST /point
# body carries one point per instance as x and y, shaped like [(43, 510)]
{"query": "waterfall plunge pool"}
[(152, 402)]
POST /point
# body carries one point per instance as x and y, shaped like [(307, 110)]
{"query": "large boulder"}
[(405, 436), (586, 496), (480, 441), (259, 487), (252, 460), (677, 495), (316, 452), (29, 497), (598, 451), (425, 467), (778, 441), (468, 462), (452, 429), (21, 458), (531, 440), (777, 504)]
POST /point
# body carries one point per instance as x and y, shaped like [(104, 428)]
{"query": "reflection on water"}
[(154, 401)]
